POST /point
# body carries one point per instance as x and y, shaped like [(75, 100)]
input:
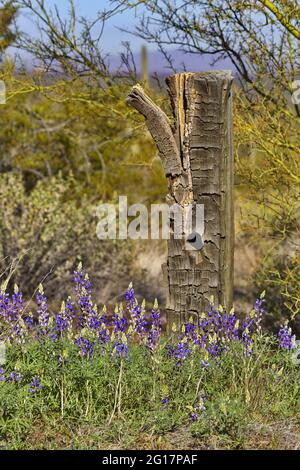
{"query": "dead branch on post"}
[(160, 129)]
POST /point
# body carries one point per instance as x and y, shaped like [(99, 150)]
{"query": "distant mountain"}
[(158, 65)]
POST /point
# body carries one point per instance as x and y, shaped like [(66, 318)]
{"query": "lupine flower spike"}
[(286, 339), (43, 313), (155, 329)]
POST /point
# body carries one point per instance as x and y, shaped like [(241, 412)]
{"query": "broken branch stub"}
[(159, 127)]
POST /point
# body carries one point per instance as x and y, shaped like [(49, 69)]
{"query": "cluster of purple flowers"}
[(155, 328), (86, 329), (119, 337), (91, 324), (35, 385), (136, 328), (83, 289), (43, 313), (252, 325), (286, 338), (2, 375), (214, 331), (180, 352), (199, 408), (136, 314), (4, 305), (205, 338), (11, 313), (86, 347), (16, 377), (64, 319), (81, 323)]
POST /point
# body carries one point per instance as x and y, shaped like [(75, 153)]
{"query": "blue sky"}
[(112, 37)]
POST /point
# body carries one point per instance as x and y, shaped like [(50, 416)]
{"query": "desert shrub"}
[(45, 232)]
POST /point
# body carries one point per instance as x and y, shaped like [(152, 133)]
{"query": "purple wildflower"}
[(251, 325), (17, 303), (137, 313), (181, 352), (165, 403), (119, 322), (43, 313), (83, 289), (230, 327), (90, 317), (121, 349), (102, 331), (204, 364), (14, 377), (86, 347), (119, 337), (64, 319), (130, 298), (11, 311), (29, 322), (35, 385), (286, 339), (5, 307), (2, 375), (214, 348), (247, 336), (198, 408), (155, 329), (190, 332), (259, 311), (165, 400)]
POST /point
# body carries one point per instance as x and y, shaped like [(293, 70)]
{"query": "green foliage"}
[(268, 195), (45, 232), (79, 395), (7, 16), (75, 125)]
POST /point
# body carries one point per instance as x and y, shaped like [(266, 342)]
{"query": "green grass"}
[(106, 402)]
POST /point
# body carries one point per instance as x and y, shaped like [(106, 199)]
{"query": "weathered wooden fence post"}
[(197, 156)]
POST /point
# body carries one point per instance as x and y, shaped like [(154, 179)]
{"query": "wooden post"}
[(197, 157)]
